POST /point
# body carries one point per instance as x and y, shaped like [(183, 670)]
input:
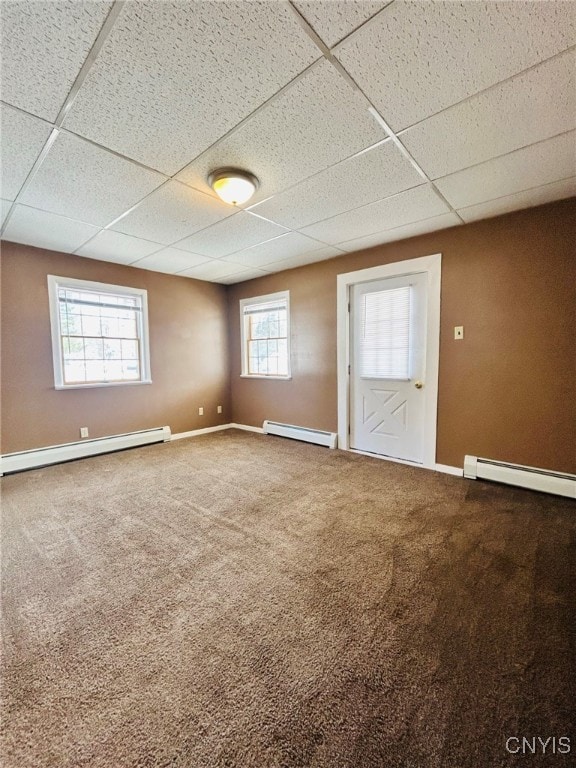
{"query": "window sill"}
[(103, 384), (263, 377)]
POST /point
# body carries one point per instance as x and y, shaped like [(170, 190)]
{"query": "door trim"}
[(432, 266)]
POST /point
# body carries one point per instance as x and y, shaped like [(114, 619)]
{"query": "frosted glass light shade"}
[(233, 186)]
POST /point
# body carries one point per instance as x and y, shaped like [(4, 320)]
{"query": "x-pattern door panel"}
[(384, 412)]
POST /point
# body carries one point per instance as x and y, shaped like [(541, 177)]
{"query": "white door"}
[(387, 366)]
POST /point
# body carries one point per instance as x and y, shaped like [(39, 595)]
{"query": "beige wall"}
[(507, 391), (188, 349)]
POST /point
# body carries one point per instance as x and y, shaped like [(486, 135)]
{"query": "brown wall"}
[(188, 350), (507, 391)]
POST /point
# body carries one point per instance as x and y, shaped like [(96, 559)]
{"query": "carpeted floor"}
[(252, 602)]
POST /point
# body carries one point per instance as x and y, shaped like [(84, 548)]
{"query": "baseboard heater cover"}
[(559, 483), (317, 436), (55, 454)]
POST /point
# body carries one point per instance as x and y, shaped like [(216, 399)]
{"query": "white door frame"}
[(432, 265)]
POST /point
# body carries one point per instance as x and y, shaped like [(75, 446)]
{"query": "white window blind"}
[(265, 337), (385, 334)]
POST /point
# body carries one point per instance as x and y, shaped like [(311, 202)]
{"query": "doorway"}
[(388, 346)]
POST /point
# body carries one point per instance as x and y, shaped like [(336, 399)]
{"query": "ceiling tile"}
[(370, 176), (22, 140), (315, 123), (292, 244), (213, 271), (426, 56), (233, 234), (114, 246), (6, 205), (334, 19), (173, 77), (85, 182), (308, 258), (534, 106), (47, 230), (171, 213), (44, 45), (558, 190), (404, 208), (170, 260), (525, 168), (433, 224), (240, 277)]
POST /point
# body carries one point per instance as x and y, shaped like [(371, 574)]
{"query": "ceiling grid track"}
[(489, 88), (89, 61), (69, 100), (341, 69)]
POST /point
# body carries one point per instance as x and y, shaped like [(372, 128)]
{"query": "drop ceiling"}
[(365, 122)]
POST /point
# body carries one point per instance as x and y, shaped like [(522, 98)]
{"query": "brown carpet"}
[(252, 602)]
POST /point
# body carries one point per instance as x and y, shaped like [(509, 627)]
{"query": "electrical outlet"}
[(83, 432), (219, 409), (200, 411), (458, 331)]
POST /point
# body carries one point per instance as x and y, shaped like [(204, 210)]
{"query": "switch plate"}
[(458, 331), (200, 411), (219, 409), (83, 432)]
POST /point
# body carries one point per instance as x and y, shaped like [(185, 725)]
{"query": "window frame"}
[(54, 285), (254, 301)]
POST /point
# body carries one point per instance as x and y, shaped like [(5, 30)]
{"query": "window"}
[(385, 334), (265, 323), (99, 334)]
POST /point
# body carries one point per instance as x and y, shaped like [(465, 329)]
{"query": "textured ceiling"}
[(365, 122)]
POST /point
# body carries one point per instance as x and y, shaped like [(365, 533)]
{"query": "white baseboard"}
[(448, 470), (205, 431), (219, 428), (444, 468), (247, 428)]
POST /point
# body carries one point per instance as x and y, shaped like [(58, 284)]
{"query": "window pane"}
[(74, 348), (95, 370), (93, 349), (110, 326), (113, 370), (90, 325), (131, 370), (273, 357), (74, 371), (282, 357), (127, 328), (112, 349), (129, 349)]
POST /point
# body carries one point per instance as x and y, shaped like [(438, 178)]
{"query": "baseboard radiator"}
[(329, 439), (559, 483), (55, 454)]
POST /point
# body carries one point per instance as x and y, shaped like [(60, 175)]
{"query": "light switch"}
[(458, 331)]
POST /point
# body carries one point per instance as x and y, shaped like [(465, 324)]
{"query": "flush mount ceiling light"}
[(233, 186)]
